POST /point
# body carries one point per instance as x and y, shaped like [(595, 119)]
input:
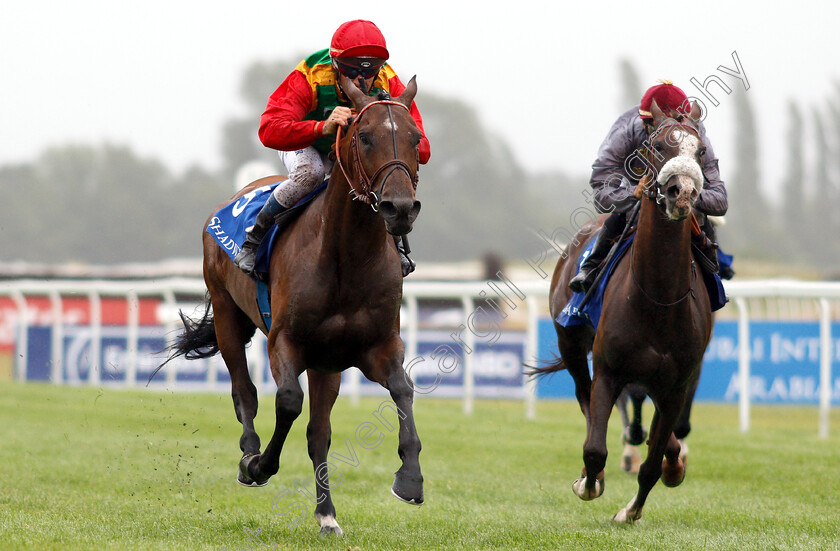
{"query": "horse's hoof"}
[(624, 517), (327, 530), (673, 475), (244, 477), (628, 515), (329, 526), (631, 459), (408, 489), (411, 501), (248, 483), (580, 489)]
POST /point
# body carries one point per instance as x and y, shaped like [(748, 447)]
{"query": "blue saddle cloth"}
[(230, 225), (572, 314)]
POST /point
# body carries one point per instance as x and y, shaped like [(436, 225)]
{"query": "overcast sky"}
[(162, 76)]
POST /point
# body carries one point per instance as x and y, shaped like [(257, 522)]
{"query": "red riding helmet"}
[(668, 97), (358, 38)]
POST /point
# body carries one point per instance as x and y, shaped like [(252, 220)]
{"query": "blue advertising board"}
[(113, 358), (784, 363), (438, 367)]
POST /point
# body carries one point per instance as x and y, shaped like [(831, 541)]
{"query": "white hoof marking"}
[(683, 451), (328, 525), (579, 488), (631, 459), (628, 515)]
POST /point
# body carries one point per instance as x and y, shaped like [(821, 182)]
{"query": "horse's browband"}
[(381, 101)]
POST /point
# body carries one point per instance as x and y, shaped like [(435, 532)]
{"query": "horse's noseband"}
[(364, 192)]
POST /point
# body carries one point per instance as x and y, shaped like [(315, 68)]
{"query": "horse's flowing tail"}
[(545, 367), (198, 340)]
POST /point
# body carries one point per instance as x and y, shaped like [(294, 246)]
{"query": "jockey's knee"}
[(306, 172), (309, 173)]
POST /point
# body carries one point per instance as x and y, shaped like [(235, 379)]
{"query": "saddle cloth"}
[(572, 314), (230, 224), (229, 227)]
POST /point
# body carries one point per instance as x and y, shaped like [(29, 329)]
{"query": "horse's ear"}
[(357, 97), (696, 112), (410, 91), (657, 113)]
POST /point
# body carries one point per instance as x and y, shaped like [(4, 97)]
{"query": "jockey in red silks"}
[(619, 167), (304, 113)]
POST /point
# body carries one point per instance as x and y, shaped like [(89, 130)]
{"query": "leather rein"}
[(364, 192)]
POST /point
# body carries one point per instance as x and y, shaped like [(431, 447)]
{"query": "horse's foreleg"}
[(233, 331), (323, 391), (603, 397), (661, 441), (384, 365), (634, 433), (288, 403), (683, 427), (621, 405), (408, 481), (630, 456)]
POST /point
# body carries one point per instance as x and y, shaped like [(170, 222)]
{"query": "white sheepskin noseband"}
[(682, 165)]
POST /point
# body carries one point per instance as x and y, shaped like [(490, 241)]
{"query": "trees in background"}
[(107, 205), (102, 205)]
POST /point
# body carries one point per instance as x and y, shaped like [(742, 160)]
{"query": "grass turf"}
[(88, 468)]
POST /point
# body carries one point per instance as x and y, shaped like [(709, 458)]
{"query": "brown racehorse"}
[(656, 319), (336, 289)]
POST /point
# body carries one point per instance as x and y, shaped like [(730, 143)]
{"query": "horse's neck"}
[(351, 229), (662, 254)]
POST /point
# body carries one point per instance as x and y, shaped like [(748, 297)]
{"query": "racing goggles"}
[(352, 67)]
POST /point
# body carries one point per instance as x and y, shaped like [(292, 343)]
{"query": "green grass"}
[(87, 468)]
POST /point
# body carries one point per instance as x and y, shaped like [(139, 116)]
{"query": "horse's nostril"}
[(400, 208), (387, 209)]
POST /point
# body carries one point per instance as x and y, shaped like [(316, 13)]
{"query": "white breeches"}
[(307, 169)]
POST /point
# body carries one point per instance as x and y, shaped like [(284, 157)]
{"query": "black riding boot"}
[(406, 263), (247, 257), (588, 271)]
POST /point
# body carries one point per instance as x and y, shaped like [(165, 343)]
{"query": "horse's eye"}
[(364, 138), (659, 147), (701, 152)]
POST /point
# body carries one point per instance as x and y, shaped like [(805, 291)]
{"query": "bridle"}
[(652, 187), (364, 192)]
